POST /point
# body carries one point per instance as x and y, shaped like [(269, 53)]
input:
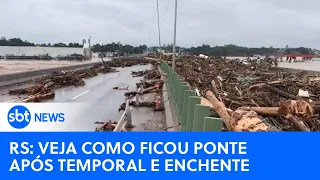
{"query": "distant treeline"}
[(118, 47), (233, 50), (19, 42), (218, 51)]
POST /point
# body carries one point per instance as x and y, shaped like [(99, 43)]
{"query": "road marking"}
[(80, 95), (116, 75)]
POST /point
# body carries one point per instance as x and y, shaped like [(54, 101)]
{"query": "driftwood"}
[(107, 126), (267, 111), (293, 107), (247, 84), (121, 88), (145, 91), (221, 109), (274, 111), (40, 97), (260, 85), (281, 93), (75, 78), (239, 120), (298, 124)]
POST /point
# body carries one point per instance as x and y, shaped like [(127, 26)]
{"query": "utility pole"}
[(159, 28), (175, 36)]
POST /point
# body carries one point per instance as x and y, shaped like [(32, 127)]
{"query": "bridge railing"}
[(191, 114), (125, 120)]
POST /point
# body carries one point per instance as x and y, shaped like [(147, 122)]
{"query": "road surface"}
[(101, 101)]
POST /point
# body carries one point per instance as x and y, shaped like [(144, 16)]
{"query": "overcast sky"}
[(216, 22)]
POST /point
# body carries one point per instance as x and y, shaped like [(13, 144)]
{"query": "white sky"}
[(252, 23)]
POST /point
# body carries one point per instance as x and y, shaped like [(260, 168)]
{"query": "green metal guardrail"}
[(191, 114)]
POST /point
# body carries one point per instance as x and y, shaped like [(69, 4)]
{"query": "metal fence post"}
[(212, 124), (193, 100), (173, 87), (129, 116), (182, 89), (173, 77), (176, 91), (200, 112), (182, 85), (187, 94), (138, 97)]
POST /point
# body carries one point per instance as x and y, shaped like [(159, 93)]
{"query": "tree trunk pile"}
[(249, 97)]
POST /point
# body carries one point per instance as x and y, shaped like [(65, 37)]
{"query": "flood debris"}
[(138, 73), (249, 96), (132, 94), (151, 83), (134, 104), (149, 74), (106, 126), (121, 88), (43, 88)]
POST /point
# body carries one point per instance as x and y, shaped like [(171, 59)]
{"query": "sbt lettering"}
[(49, 117), (19, 116)]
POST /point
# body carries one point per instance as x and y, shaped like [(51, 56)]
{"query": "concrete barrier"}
[(9, 79)]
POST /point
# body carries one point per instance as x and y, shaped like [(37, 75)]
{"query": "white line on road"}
[(116, 75), (80, 95)]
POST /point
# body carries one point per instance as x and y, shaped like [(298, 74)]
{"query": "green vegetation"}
[(233, 50), (118, 47)]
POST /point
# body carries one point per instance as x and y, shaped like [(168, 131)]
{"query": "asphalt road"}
[(101, 101)]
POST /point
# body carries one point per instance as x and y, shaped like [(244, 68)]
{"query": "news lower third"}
[(211, 164), (52, 140)]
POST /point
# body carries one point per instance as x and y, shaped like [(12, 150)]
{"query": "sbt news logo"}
[(20, 117)]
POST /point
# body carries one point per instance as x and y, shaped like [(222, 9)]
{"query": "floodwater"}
[(308, 65), (30, 51), (313, 65)]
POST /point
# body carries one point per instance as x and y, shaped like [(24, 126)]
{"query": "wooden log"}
[(274, 111), (298, 124), (280, 92), (206, 102), (38, 98), (267, 111), (240, 120), (268, 83), (221, 109)]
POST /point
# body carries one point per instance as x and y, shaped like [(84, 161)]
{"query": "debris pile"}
[(149, 74), (43, 88), (138, 73), (106, 126), (134, 104), (148, 84), (249, 97), (151, 89)]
